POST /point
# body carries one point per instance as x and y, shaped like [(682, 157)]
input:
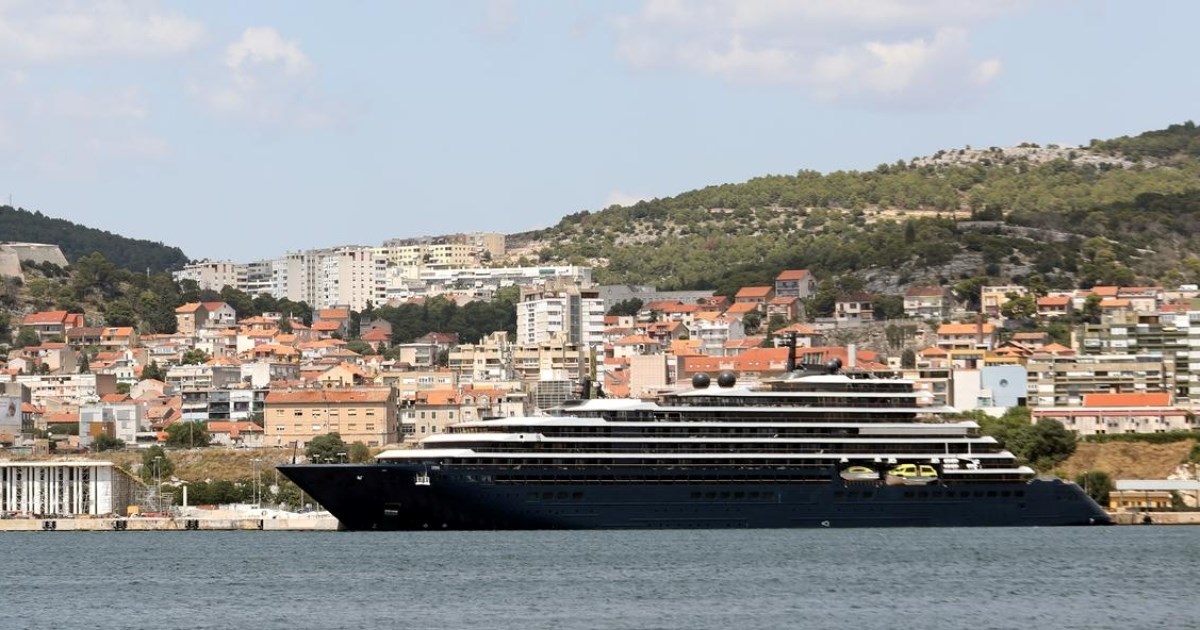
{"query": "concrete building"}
[(927, 303), (358, 415), (560, 310), (76, 488), (1063, 381), (1170, 336), (797, 283), (210, 275), (67, 391), (1101, 413)]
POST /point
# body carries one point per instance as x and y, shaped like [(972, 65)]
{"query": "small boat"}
[(911, 475), (860, 473)]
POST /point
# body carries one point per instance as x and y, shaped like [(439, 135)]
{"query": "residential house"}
[(52, 324), (979, 335), (118, 337), (219, 315), (231, 433), (991, 298), (927, 302), (788, 308), (856, 307), (754, 295), (339, 316), (713, 333), (797, 283), (189, 318)]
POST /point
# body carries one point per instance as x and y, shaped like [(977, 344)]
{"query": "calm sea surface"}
[(910, 579)]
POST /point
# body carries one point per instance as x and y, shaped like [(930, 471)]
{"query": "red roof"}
[(1132, 399), (754, 292), (45, 317), (329, 396), (792, 274)]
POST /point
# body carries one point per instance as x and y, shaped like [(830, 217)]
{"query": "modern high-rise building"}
[(561, 311)]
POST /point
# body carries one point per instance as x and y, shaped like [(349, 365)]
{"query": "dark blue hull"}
[(387, 496)]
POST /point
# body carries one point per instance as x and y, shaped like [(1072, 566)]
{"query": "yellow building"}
[(366, 415)]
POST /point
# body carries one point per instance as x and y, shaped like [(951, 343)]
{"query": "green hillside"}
[(77, 241), (1124, 211)]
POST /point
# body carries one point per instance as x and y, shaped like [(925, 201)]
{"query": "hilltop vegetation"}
[(77, 241), (1119, 211)]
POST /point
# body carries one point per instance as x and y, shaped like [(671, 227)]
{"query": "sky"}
[(243, 130)]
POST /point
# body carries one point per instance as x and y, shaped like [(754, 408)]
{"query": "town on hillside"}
[(1098, 360)]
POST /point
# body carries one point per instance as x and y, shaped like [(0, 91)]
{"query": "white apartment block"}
[(324, 278), (563, 312), (212, 275)]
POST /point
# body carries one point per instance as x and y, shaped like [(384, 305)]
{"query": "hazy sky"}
[(244, 129)]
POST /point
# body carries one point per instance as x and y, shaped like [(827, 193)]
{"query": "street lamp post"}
[(157, 485), (257, 487)]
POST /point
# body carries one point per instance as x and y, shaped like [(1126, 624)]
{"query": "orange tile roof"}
[(438, 397), (114, 398), (310, 396), (633, 340), (326, 326), (741, 308), (924, 292), (1106, 291), (965, 329), (792, 274), (932, 351), (798, 328), (784, 301), (45, 317), (1115, 302), (754, 292), (233, 428), (745, 342), (1133, 399), (190, 307), (333, 313), (1054, 300)]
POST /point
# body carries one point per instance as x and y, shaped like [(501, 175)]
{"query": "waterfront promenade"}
[(191, 523)]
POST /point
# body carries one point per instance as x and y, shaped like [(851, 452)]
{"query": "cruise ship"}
[(818, 448)]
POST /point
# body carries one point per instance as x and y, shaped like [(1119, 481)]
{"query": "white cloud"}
[(267, 79), (868, 51), (619, 198), (262, 46), (40, 31), (500, 17)]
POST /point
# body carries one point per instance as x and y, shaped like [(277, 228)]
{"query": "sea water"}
[(910, 579)]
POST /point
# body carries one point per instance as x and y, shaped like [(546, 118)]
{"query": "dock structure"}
[(156, 524), (64, 488)]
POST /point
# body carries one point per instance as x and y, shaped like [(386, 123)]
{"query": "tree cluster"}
[(76, 241)]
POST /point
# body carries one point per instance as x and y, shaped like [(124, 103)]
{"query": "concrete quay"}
[(159, 524)]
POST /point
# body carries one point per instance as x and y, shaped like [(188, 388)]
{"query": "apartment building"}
[(1173, 337), (1138, 412), (560, 310), (210, 275), (1064, 381), (358, 415)]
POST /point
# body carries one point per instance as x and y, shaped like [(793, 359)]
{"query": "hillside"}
[(1128, 460), (1118, 211), (77, 241)]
